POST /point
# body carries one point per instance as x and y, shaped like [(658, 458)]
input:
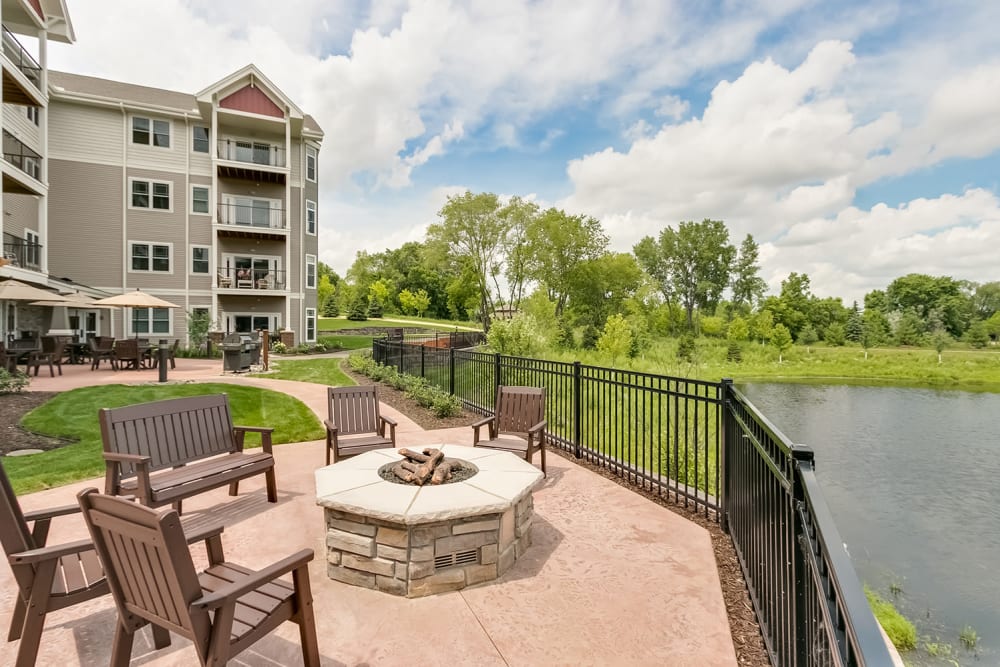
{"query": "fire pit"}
[(415, 540)]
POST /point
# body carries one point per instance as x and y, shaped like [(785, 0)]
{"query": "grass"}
[(969, 637), (901, 631), (324, 370), (73, 414), (339, 323), (346, 342)]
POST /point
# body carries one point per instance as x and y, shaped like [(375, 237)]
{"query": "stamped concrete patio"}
[(611, 578)]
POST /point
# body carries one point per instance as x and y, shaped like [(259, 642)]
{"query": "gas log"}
[(420, 468)]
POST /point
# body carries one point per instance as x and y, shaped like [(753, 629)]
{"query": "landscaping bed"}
[(12, 408)]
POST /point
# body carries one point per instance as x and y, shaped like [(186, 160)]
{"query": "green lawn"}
[(322, 370), (338, 323), (345, 342), (73, 414)]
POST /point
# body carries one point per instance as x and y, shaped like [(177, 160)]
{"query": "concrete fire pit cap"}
[(354, 486)]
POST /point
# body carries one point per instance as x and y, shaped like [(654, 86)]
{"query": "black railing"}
[(701, 444), (21, 58), (21, 252), (251, 152), (247, 215), (250, 279), (439, 339), (22, 157)]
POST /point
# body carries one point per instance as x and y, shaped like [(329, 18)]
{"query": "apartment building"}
[(27, 28), (208, 200)]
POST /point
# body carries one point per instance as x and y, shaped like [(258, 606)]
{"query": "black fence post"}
[(801, 455), (496, 377), (577, 411), (422, 360), (728, 442), (400, 356), (451, 371)]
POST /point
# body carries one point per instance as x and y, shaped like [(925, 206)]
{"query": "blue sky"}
[(855, 141)]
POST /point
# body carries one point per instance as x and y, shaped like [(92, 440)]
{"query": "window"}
[(33, 114), (150, 257), (310, 164), (310, 325), (150, 320), (199, 199), (310, 217), (144, 130), (200, 141), (199, 259), (32, 254), (310, 271), (145, 193)]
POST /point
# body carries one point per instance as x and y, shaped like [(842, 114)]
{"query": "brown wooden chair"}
[(354, 412), (48, 577), (50, 354), (223, 610), (127, 354), (102, 349), (518, 423)]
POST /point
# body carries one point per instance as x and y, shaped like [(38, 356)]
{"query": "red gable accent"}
[(37, 5), (251, 100)]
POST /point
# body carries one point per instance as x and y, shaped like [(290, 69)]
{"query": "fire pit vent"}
[(469, 557)]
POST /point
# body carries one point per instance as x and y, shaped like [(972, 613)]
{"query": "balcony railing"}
[(21, 252), (251, 152), (246, 215), (22, 59), (251, 279), (22, 157)]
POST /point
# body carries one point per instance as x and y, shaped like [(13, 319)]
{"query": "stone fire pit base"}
[(415, 541)]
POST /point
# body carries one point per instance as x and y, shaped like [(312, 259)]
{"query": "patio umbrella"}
[(135, 299), (15, 290)]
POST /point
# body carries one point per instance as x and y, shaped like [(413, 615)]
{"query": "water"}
[(912, 477)]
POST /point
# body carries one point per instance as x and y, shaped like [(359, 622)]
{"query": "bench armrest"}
[(112, 475), (540, 426), (392, 427), (330, 426), (265, 436), (235, 589), (54, 552), (50, 512), (479, 424)]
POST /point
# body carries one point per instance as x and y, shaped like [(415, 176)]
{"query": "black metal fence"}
[(703, 445)]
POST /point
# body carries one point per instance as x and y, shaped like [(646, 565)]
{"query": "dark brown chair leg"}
[(31, 634), (306, 620), (272, 486), (161, 636), (121, 649), (16, 620), (234, 488)]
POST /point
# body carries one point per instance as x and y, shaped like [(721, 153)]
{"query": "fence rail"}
[(703, 445)]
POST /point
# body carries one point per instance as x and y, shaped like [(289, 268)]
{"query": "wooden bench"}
[(165, 451)]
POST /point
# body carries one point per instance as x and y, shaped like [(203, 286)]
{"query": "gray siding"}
[(20, 212), (156, 226)]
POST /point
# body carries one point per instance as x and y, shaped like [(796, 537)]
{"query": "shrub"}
[(685, 348), (12, 383), (280, 348), (590, 336), (440, 402), (518, 336), (734, 353)]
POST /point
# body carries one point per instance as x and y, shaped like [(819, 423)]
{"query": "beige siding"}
[(201, 224), (295, 248), (15, 121), (85, 222), (20, 212), (85, 133), (152, 157), (155, 226), (296, 164)]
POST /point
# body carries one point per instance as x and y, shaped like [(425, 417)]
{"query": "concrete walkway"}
[(611, 578)]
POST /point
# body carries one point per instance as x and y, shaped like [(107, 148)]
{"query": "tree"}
[(600, 287), (747, 285), (855, 325), (378, 295), (909, 328), (616, 339), (518, 336), (520, 215), (473, 229), (763, 326), (199, 324), (555, 244), (791, 308), (978, 335), (414, 304), (324, 292), (738, 329), (876, 327), (986, 300), (834, 334), (808, 336), (359, 308), (941, 340), (696, 261), (781, 339)]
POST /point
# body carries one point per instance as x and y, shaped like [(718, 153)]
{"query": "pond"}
[(912, 477)]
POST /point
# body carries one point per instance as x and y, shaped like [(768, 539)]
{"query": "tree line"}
[(487, 259)]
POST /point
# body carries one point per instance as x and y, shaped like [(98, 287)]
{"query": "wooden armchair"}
[(102, 351), (51, 354), (354, 412), (517, 424), (223, 610), (48, 577), (127, 354)]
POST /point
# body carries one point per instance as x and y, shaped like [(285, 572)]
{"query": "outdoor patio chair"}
[(225, 281), (517, 424), (127, 354), (223, 610), (101, 352), (354, 412), (51, 354), (48, 577)]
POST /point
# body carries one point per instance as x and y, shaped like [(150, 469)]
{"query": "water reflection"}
[(911, 476)]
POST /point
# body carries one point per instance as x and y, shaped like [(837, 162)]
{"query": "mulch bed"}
[(747, 639)]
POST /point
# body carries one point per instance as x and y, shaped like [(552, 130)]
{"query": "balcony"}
[(22, 253), (14, 90), (251, 280), (253, 160), (257, 221)]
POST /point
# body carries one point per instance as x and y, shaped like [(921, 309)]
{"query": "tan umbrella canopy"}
[(15, 290), (75, 300), (135, 299)]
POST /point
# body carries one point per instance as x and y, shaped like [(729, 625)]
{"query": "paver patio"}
[(611, 578)]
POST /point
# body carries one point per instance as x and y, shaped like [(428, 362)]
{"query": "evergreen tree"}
[(855, 325), (359, 309)]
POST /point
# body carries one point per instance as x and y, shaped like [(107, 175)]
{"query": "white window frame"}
[(33, 114), (312, 156), (150, 183), (314, 223), (208, 200), (310, 332), (208, 260), (230, 318), (130, 320), (149, 248), (32, 247), (151, 132), (311, 261), (208, 148), (230, 213)]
